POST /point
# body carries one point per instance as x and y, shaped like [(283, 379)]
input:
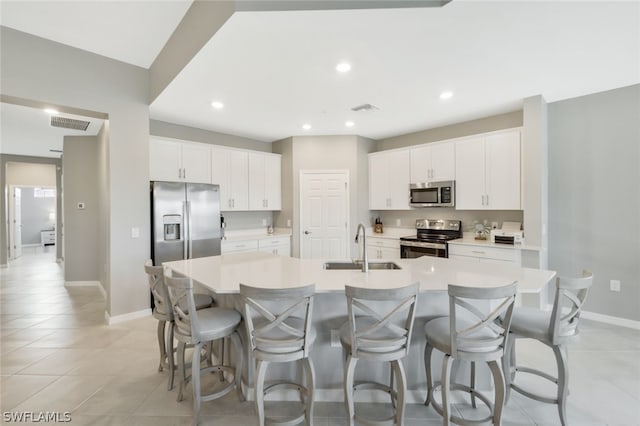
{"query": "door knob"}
[(307, 232)]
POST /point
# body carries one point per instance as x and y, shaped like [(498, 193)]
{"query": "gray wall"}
[(482, 125), (322, 153), (35, 215), (103, 206), (177, 131), (105, 86), (594, 195), (80, 184)]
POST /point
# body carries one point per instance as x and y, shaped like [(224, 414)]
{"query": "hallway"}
[(58, 355)]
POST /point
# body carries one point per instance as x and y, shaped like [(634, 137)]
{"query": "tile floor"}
[(58, 355)]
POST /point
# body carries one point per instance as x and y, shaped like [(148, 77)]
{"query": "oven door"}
[(413, 250)]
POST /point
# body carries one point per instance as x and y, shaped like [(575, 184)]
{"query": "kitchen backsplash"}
[(468, 217), (247, 220)]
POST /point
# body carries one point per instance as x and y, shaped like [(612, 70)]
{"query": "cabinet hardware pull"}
[(476, 251), (184, 173)]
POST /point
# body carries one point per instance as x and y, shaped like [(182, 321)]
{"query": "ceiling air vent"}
[(69, 123), (365, 107)]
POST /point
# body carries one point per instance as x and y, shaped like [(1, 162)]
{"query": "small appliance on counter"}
[(510, 233), (377, 227)]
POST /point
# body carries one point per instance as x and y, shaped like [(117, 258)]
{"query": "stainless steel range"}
[(431, 238)]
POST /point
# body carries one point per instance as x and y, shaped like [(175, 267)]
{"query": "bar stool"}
[(555, 329), (470, 333), (200, 329), (372, 335), (164, 314), (278, 324)]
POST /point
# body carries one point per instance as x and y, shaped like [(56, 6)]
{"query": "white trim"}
[(344, 172), (126, 317), (622, 322), (102, 290), (31, 245), (83, 284)]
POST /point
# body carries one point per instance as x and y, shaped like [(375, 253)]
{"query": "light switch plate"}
[(135, 232), (614, 285)]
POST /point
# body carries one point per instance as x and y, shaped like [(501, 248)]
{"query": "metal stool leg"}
[(349, 374), (560, 353), (428, 351), (446, 389)]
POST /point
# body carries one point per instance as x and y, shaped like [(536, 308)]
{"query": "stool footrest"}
[(533, 395), (282, 384), (537, 373), (459, 420), (288, 422)]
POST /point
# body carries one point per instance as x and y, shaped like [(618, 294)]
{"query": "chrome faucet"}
[(365, 258)]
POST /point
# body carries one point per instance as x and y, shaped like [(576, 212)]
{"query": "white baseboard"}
[(126, 317), (622, 322), (83, 284)]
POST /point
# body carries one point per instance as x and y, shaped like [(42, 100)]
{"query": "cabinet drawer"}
[(506, 254), (272, 242), (246, 245), (383, 242)]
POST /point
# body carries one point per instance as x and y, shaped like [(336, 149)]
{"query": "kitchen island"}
[(221, 275)]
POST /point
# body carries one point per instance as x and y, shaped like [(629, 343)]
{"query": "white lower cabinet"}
[(479, 253), (243, 246), (275, 245), (280, 245), (383, 248)]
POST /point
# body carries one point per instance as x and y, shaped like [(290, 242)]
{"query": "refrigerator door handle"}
[(189, 236), (187, 231)]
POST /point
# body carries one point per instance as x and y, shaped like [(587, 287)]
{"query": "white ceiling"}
[(275, 71), (129, 31), (27, 131)]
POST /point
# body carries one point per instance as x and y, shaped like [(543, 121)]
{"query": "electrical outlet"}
[(494, 225), (614, 285), (288, 223), (264, 222), (81, 206), (335, 338), (135, 232), (397, 222)]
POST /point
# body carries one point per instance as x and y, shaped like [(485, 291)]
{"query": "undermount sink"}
[(358, 265)]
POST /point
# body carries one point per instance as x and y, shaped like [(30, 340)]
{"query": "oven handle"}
[(423, 244)]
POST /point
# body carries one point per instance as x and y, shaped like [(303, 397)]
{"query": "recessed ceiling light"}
[(51, 111), (343, 67), (306, 126), (446, 95), (217, 104), (349, 124)]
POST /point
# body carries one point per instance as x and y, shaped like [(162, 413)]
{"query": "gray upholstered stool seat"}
[(279, 328), (470, 333), (555, 329), (163, 312), (201, 328), (379, 329)]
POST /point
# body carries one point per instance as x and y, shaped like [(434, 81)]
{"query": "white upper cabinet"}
[(177, 161), (230, 170), (389, 180), (265, 181), (433, 162), (488, 172)]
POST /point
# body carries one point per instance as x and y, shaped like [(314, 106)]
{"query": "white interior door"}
[(324, 215), (15, 226)]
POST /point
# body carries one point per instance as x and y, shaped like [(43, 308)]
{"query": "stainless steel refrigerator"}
[(185, 221)]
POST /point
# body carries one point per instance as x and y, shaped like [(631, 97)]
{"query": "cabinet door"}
[(273, 182), (164, 160), (389, 253), (239, 180), (373, 253), (502, 152), (196, 163), (378, 182), (443, 161), (398, 178), (470, 188), (420, 159), (220, 173), (256, 181)]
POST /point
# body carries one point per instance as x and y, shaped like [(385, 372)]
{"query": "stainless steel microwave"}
[(433, 194)]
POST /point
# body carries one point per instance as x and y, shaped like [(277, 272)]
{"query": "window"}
[(44, 193)]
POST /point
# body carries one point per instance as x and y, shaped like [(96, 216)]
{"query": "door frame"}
[(347, 204), (11, 254)]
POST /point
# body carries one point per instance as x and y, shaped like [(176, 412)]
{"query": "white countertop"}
[(255, 234), (471, 241), (222, 274)]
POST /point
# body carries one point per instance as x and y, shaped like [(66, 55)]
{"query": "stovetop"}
[(436, 231)]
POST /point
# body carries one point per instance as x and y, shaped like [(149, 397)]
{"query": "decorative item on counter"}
[(269, 229), (481, 232), (377, 227)]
